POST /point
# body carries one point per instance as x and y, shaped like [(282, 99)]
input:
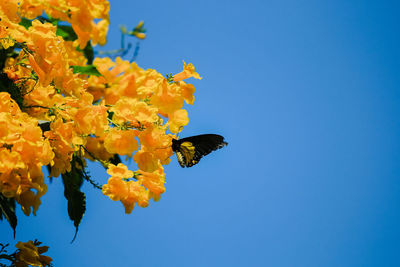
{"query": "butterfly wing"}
[(181, 159), (190, 150)]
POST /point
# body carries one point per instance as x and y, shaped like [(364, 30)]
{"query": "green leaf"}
[(25, 22), (7, 210), (6, 85), (88, 52), (115, 159), (66, 32), (76, 199), (52, 20), (89, 70)]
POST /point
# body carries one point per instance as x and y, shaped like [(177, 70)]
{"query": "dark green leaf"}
[(49, 170), (6, 85), (52, 20), (76, 199), (25, 22), (110, 114), (7, 210), (45, 126), (66, 32), (88, 52), (115, 159), (89, 70)]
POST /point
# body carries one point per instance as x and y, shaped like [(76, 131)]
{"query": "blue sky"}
[(307, 94)]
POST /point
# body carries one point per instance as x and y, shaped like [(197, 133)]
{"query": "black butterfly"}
[(191, 149)]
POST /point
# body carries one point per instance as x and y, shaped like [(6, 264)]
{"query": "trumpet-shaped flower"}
[(128, 192), (121, 142), (154, 181), (30, 254), (177, 120), (188, 71), (133, 111)]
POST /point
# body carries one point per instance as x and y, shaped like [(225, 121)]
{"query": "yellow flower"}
[(146, 80), (6, 43), (30, 254), (146, 161), (91, 119), (10, 163), (48, 60), (10, 160), (23, 152), (75, 57), (154, 181), (81, 15), (128, 192), (155, 141), (116, 189), (177, 120), (29, 200), (61, 136), (138, 31), (167, 97), (9, 10), (140, 35), (136, 194), (133, 111), (30, 9), (154, 137), (96, 148), (187, 92), (119, 171), (121, 142), (188, 71), (99, 32)]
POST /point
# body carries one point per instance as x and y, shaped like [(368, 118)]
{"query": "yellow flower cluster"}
[(23, 151), (30, 255), (125, 111), (81, 14), (139, 100)]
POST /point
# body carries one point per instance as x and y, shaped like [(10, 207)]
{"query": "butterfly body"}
[(191, 149)]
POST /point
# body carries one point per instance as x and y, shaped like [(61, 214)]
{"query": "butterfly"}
[(190, 150)]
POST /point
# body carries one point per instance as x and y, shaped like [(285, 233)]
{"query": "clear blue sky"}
[(307, 93)]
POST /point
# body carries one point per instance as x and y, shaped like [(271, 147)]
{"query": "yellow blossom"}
[(167, 97), (154, 181), (30, 254), (91, 120), (23, 152), (128, 192), (140, 35), (187, 92), (96, 148), (121, 142), (146, 161), (119, 171), (188, 71), (177, 120), (136, 194), (133, 111), (61, 136), (9, 10), (6, 43)]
